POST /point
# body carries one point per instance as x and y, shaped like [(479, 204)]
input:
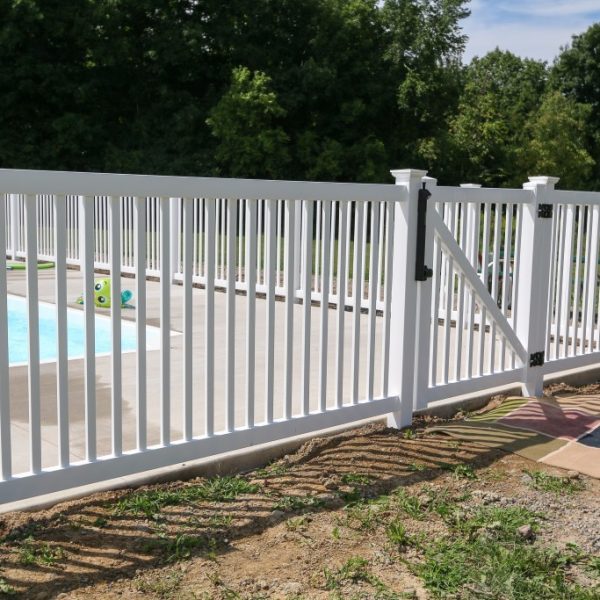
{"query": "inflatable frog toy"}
[(102, 294)]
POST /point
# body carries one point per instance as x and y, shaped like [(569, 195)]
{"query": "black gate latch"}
[(422, 271)]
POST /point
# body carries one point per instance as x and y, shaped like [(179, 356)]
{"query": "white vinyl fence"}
[(412, 301)]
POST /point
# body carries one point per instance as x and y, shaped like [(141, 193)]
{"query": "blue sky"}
[(529, 28)]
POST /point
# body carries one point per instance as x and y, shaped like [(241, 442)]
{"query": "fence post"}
[(424, 317), (403, 303), (533, 282)]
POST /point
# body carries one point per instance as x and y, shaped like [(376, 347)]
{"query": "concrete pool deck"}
[(19, 374)]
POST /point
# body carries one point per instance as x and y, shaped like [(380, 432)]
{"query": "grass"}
[(5, 588), (164, 586), (42, 554), (540, 480), (485, 557), (415, 466), (180, 547), (356, 570), (483, 568), (464, 471), (295, 503), (149, 503), (397, 535), (429, 501), (272, 470), (356, 479)]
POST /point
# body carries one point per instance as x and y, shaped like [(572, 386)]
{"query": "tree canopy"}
[(318, 89)]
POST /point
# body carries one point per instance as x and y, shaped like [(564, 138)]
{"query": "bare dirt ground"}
[(371, 513)]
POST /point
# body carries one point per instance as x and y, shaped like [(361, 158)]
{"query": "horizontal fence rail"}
[(259, 310)]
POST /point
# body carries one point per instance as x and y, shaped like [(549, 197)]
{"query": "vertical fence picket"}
[(357, 294), (115, 303), (270, 270), (290, 296), (372, 298), (62, 373), (140, 321), (209, 319), (86, 223), (342, 285), (35, 428), (250, 268), (592, 312), (188, 324), (324, 322), (5, 417), (387, 287), (165, 320), (307, 295), (231, 229)]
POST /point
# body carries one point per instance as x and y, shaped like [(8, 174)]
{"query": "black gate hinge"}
[(545, 211), (536, 359), (422, 271)]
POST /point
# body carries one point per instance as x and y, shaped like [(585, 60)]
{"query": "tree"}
[(485, 136), (245, 121), (557, 145), (424, 48), (576, 73)]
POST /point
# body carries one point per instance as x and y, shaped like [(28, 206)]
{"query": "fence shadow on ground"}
[(93, 542)]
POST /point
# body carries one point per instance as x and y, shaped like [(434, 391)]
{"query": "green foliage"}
[(318, 89), (540, 480), (487, 558), (576, 73), (484, 568), (245, 121), (180, 547), (557, 141), (397, 535), (500, 93), (150, 502), (295, 503), (355, 571), (5, 588), (31, 553)]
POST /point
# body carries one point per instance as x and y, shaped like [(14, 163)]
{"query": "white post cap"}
[(544, 180), (406, 176)]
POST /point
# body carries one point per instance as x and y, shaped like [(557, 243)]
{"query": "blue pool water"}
[(18, 332)]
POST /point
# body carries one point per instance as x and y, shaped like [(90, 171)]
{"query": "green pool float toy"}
[(102, 294), (21, 266)]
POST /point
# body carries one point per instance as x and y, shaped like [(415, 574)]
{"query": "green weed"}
[(500, 523), (484, 568), (180, 547), (294, 503), (485, 557), (163, 586), (415, 466), (32, 553), (397, 535), (272, 470), (540, 480), (355, 570), (356, 479), (6, 588), (464, 471), (150, 502)]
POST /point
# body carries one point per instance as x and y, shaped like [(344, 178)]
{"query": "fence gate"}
[(482, 298)]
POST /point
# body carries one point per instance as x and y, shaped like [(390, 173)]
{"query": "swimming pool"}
[(18, 333)]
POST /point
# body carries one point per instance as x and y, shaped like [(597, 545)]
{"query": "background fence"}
[(230, 265)]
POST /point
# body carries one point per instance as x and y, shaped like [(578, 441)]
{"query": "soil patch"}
[(358, 515)]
